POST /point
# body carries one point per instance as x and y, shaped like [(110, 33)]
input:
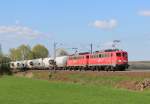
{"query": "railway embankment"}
[(131, 80)]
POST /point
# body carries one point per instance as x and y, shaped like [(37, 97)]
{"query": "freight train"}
[(108, 60)]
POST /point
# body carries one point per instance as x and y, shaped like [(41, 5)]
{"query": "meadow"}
[(21, 90)]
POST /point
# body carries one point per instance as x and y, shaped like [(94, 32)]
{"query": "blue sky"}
[(77, 23)]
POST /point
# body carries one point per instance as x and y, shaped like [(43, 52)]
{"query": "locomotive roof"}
[(108, 50), (83, 53)]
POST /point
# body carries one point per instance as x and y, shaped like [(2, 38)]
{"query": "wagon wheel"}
[(113, 69), (79, 68), (106, 68)]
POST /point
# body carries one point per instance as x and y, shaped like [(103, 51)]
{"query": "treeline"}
[(4, 65), (25, 52)]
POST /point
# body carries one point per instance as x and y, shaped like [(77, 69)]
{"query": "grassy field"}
[(19, 90)]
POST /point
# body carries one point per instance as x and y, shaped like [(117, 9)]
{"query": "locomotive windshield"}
[(125, 55), (118, 54)]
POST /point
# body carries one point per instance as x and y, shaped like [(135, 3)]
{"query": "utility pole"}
[(55, 50), (23, 54), (91, 48), (54, 62)]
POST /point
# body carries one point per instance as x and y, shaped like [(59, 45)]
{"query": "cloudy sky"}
[(76, 24)]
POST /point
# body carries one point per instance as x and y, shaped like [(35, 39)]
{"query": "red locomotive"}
[(112, 59), (79, 61)]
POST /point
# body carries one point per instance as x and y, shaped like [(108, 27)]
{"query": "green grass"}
[(16, 90)]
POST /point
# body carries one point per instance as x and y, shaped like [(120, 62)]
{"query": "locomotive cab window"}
[(103, 55), (100, 55), (118, 54), (124, 54), (96, 56), (87, 57), (106, 55)]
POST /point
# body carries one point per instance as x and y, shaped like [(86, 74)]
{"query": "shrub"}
[(4, 65)]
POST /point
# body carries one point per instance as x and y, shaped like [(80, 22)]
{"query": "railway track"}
[(126, 71)]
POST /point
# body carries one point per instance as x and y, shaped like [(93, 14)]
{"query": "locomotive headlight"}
[(119, 60)]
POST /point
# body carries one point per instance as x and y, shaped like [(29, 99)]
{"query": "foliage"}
[(14, 55), (4, 65), (29, 91), (4, 59), (61, 52), (23, 52), (40, 51)]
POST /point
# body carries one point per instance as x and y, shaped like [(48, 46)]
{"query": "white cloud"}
[(19, 31), (144, 13), (104, 24), (15, 35)]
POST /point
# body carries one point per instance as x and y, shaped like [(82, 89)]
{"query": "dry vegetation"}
[(132, 80)]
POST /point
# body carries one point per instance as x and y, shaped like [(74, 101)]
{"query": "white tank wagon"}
[(30, 64), (48, 63), (17, 65), (24, 64), (12, 65), (61, 62), (35, 64)]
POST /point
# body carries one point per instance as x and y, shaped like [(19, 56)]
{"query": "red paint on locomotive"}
[(108, 58), (78, 60)]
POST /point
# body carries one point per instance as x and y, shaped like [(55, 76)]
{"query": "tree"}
[(23, 52), (14, 54), (4, 65), (4, 59), (61, 52), (40, 51), (1, 53)]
